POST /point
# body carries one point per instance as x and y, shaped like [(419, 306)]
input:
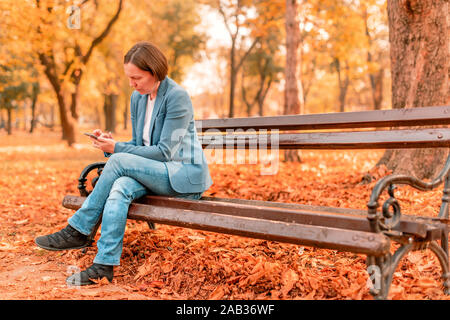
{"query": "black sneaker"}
[(67, 238), (95, 272)]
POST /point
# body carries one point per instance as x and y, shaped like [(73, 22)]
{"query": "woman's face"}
[(141, 80)]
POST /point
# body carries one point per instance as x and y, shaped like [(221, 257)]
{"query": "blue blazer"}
[(173, 137)]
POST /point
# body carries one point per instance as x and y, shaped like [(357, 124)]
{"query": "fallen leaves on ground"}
[(178, 263)]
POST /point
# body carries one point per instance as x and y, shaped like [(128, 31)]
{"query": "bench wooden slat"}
[(293, 206), (385, 139), (334, 210), (428, 228), (317, 236), (439, 115), (292, 215), (309, 215)]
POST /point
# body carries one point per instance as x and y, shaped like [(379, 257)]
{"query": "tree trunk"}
[(9, 125), (291, 101), (233, 76), (69, 116), (235, 61), (291, 91), (376, 83), (248, 104), (420, 64), (73, 103), (376, 78), (34, 98), (109, 109), (17, 119), (262, 97), (234, 69), (68, 123), (2, 120), (343, 81), (125, 114), (52, 117), (75, 79)]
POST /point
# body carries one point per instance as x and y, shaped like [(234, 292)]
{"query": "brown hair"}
[(146, 56)]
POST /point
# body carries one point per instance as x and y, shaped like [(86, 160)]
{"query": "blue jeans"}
[(125, 177)]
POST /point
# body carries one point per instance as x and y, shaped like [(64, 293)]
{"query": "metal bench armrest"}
[(83, 177), (389, 219)]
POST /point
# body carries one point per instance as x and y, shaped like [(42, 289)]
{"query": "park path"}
[(25, 276)]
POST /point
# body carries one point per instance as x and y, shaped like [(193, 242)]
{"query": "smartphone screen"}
[(91, 135)]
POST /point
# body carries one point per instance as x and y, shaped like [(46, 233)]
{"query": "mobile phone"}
[(91, 135)]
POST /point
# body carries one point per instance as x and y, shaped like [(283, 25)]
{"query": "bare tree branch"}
[(105, 32)]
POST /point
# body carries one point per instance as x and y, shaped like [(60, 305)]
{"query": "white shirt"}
[(148, 117)]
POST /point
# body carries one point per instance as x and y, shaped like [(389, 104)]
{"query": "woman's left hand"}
[(105, 144)]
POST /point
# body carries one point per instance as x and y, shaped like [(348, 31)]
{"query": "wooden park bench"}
[(369, 232)]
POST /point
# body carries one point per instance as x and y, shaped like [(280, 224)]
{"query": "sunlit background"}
[(47, 67)]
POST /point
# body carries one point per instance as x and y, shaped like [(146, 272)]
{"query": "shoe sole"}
[(78, 284), (57, 249)]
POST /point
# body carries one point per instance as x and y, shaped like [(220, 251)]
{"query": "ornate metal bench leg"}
[(443, 260), (379, 269), (444, 252), (151, 225)]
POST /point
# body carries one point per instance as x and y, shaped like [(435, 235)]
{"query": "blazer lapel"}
[(140, 119), (159, 99)]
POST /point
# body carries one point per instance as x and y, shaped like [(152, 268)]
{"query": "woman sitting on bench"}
[(164, 157)]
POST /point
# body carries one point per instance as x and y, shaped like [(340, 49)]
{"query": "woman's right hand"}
[(104, 141), (100, 133), (97, 132)]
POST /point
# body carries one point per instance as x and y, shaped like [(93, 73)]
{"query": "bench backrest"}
[(378, 129)]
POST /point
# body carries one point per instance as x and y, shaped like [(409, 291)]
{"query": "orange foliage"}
[(177, 263)]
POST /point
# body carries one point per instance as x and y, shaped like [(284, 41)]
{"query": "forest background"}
[(61, 61)]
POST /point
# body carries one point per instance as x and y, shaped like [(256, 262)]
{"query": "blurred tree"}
[(348, 32), (13, 90), (263, 71), (293, 90), (377, 35), (35, 88), (2, 120), (73, 67), (236, 14), (346, 42), (171, 25), (109, 109), (420, 61), (312, 48), (63, 44), (109, 79), (173, 28), (263, 66)]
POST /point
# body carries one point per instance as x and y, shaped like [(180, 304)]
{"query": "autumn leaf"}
[(288, 280), (167, 267), (156, 284), (103, 281), (217, 294)]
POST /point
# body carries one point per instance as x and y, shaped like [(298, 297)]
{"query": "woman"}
[(164, 157)]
